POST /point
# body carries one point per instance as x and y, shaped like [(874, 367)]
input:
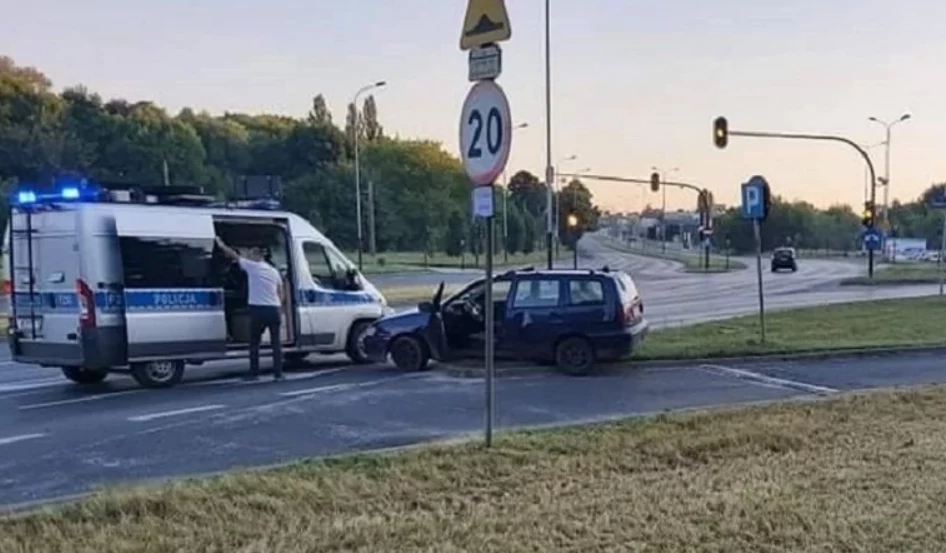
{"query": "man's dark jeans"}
[(264, 317)]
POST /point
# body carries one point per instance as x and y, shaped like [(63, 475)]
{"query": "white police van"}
[(107, 279)]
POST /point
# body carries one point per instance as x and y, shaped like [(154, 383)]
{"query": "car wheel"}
[(575, 356), (355, 345), (158, 374), (409, 354), (81, 375)]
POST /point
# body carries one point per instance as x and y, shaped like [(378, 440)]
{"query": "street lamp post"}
[(358, 94), (887, 127), (663, 207), (506, 205), (549, 172)]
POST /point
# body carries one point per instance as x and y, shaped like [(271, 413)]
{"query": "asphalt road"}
[(57, 439)]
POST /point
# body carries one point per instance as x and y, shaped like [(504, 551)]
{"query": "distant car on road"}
[(784, 258), (573, 318)]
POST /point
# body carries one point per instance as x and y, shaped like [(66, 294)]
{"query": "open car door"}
[(435, 333)]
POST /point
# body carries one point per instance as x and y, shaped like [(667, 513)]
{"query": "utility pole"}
[(887, 127), (549, 171), (372, 237)]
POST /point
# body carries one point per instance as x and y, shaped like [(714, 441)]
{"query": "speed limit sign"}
[(485, 132)]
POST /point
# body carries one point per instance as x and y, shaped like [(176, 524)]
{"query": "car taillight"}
[(6, 287), (86, 304)]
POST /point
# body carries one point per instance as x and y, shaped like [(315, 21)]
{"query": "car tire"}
[(158, 374), (80, 375), (409, 354), (354, 346), (575, 356)]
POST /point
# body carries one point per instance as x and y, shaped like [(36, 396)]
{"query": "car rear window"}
[(626, 287), (585, 291), (536, 293)]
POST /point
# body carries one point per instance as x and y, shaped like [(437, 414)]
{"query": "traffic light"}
[(654, 182), (867, 219), (720, 132)]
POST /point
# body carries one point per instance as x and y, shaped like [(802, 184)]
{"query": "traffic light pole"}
[(832, 138)]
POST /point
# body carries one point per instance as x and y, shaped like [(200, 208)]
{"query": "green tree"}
[(575, 200), (454, 239), (319, 115), (369, 114)]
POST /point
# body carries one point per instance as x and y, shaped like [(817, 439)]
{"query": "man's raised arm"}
[(227, 250)]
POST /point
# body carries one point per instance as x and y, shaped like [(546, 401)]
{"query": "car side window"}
[(585, 292), (536, 293)]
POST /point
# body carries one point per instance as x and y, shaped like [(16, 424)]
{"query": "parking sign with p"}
[(755, 199)]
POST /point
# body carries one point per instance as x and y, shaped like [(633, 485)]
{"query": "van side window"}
[(536, 293), (167, 262), (319, 267)]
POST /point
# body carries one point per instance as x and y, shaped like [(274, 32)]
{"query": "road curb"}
[(479, 372)]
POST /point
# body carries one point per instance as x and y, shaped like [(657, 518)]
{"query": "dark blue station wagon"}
[(572, 318)]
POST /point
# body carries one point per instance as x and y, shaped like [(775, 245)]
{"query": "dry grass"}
[(401, 295), (881, 323), (859, 473)]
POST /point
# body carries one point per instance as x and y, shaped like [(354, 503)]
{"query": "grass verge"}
[(883, 323), (692, 263), (898, 274), (854, 473)]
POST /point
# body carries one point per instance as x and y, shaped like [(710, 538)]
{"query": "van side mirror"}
[(352, 280)]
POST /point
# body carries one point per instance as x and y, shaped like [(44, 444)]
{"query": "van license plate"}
[(26, 324)]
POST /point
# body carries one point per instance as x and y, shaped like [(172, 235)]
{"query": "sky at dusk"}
[(635, 84)]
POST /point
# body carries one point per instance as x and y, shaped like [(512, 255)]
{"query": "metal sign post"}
[(942, 252), (755, 206), (758, 269), (938, 201), (485, 142)]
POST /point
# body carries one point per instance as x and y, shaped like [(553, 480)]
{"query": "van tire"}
[(409, 353), (352, 349), (81, 375), (575, 356), (158, 374)]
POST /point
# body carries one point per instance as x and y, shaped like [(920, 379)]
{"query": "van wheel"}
[(158, 374), (409, 354), (81, 375), (575, 356), (355, 346)]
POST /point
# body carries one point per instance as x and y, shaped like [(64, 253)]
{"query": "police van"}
[(105, 279)]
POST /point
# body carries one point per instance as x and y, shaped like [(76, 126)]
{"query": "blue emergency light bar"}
[(73, 190), (25, 197)]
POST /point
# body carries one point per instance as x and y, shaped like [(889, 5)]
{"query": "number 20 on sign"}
[(485, 132)]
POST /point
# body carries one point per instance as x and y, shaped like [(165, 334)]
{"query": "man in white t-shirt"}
[(266, 296)]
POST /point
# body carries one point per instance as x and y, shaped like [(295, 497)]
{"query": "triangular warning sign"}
[(486, 21)]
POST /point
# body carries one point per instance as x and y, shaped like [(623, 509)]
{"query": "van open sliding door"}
[(173, 301)]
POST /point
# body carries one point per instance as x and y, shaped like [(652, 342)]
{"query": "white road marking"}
[(267, 378), (32, 385), (770, 380), (83, 399), (20, 438), (345, 386), (174, 413)]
